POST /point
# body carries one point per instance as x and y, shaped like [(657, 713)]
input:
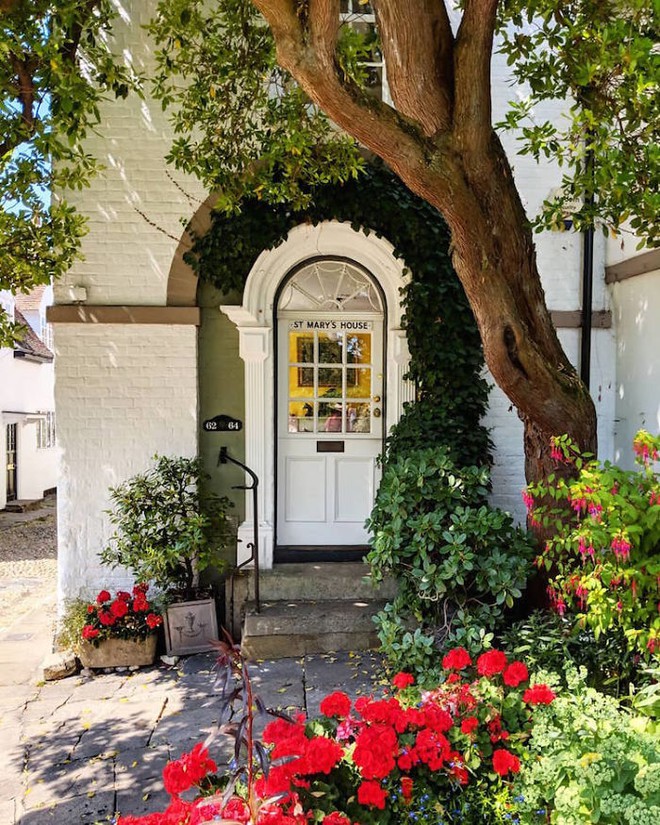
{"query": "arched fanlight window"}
[(330, 285)]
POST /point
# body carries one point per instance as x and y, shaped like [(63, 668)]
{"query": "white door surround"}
[(255, 322)]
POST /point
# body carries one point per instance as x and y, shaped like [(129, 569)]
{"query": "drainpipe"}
[(587, 280)]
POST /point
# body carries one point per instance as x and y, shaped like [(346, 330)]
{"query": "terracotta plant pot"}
[(119, 652)]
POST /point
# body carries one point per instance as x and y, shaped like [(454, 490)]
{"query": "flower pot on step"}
[(119, 652), (190, 627)]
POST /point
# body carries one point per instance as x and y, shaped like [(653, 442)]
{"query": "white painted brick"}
[(111, 422)]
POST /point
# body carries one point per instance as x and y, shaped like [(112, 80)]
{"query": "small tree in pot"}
[(169, 528)]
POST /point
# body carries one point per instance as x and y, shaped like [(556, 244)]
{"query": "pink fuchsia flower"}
[(584, 548), (403, 680), (621, 548), (528, 499)]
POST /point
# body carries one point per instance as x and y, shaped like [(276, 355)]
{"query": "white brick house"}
[(143, 356), (27, 405)]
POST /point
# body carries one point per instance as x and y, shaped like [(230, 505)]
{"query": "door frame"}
[(254, 320), (282, 317)]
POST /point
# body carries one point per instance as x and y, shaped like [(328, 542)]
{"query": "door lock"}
[(377, 413)]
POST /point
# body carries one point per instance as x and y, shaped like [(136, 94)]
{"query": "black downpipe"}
[(587, 277)]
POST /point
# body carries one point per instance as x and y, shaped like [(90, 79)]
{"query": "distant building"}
[(27, 406)]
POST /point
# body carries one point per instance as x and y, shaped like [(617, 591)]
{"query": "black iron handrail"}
[(253, 546)]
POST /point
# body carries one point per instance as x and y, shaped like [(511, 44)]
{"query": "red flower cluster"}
[(188, 770), (336, 704), (128, 615), (538, 695), (403, 680)]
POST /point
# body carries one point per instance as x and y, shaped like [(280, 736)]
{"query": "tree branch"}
[(306, 49), (418, 46), (472, 57)]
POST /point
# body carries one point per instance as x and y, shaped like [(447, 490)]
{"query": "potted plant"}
[(169, 529), (119, 631)]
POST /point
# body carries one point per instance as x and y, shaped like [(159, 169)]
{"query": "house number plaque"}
[(222, 424)]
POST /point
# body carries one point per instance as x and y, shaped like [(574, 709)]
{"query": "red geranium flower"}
[(457, 659), (402, 680), (336, 704), (104, 596), (505, 762), (469, 724), (123, 596), (335, 818), (406, 789), (188, 770), (538, 695), (153, 620), (491, 663), (106, 618), (515, 674), (371, 793), (89, 632), (118, 608)]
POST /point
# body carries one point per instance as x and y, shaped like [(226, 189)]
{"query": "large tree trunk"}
[(441, 143)]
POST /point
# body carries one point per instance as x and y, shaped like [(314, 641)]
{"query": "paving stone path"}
[(82, 749)]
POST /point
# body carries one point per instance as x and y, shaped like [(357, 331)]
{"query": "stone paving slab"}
[(82, 749)]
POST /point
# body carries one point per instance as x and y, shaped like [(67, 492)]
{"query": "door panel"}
[(305, 489), (354, 488), (330, 425)]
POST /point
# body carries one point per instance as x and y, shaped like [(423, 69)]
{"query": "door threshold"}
[(292, 554)]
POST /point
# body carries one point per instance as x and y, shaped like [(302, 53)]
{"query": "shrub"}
[(590, 761), (605, 559), (459, 562), (169, 528), (548, 641)]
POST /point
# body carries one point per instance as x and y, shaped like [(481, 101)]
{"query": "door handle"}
[(376, 399)]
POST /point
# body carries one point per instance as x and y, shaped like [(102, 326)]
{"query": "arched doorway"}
[(331, 395), (269, 412)]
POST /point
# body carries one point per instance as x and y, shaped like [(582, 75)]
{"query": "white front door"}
[(329, 425)]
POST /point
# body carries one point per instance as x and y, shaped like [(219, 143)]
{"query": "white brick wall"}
[(127, 260), (123, 393)]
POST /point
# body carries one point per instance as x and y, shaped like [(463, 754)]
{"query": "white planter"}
[(190, 627)]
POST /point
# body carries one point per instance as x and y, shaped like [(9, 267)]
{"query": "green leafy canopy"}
[(56, 65)]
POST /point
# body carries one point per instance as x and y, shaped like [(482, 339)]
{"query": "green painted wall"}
[(221, 390)]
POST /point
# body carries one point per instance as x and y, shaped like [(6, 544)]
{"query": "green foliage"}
[(590, 761), (606, 559), (445, 349), (71, 623), (168, 527), (603, 57), (48, 105), (242, 125), (547, 641), (459, 563)]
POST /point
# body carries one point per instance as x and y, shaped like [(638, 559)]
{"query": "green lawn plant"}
[(604, 558), (168, 527), (459, 563)]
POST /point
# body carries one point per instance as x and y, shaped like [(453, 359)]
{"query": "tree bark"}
[(448, 153)]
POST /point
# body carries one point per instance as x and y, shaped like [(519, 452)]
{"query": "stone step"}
[(323, 581), (23, 505), (296, 628)]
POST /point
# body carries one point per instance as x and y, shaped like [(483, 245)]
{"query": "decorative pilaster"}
[(256, 351)]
